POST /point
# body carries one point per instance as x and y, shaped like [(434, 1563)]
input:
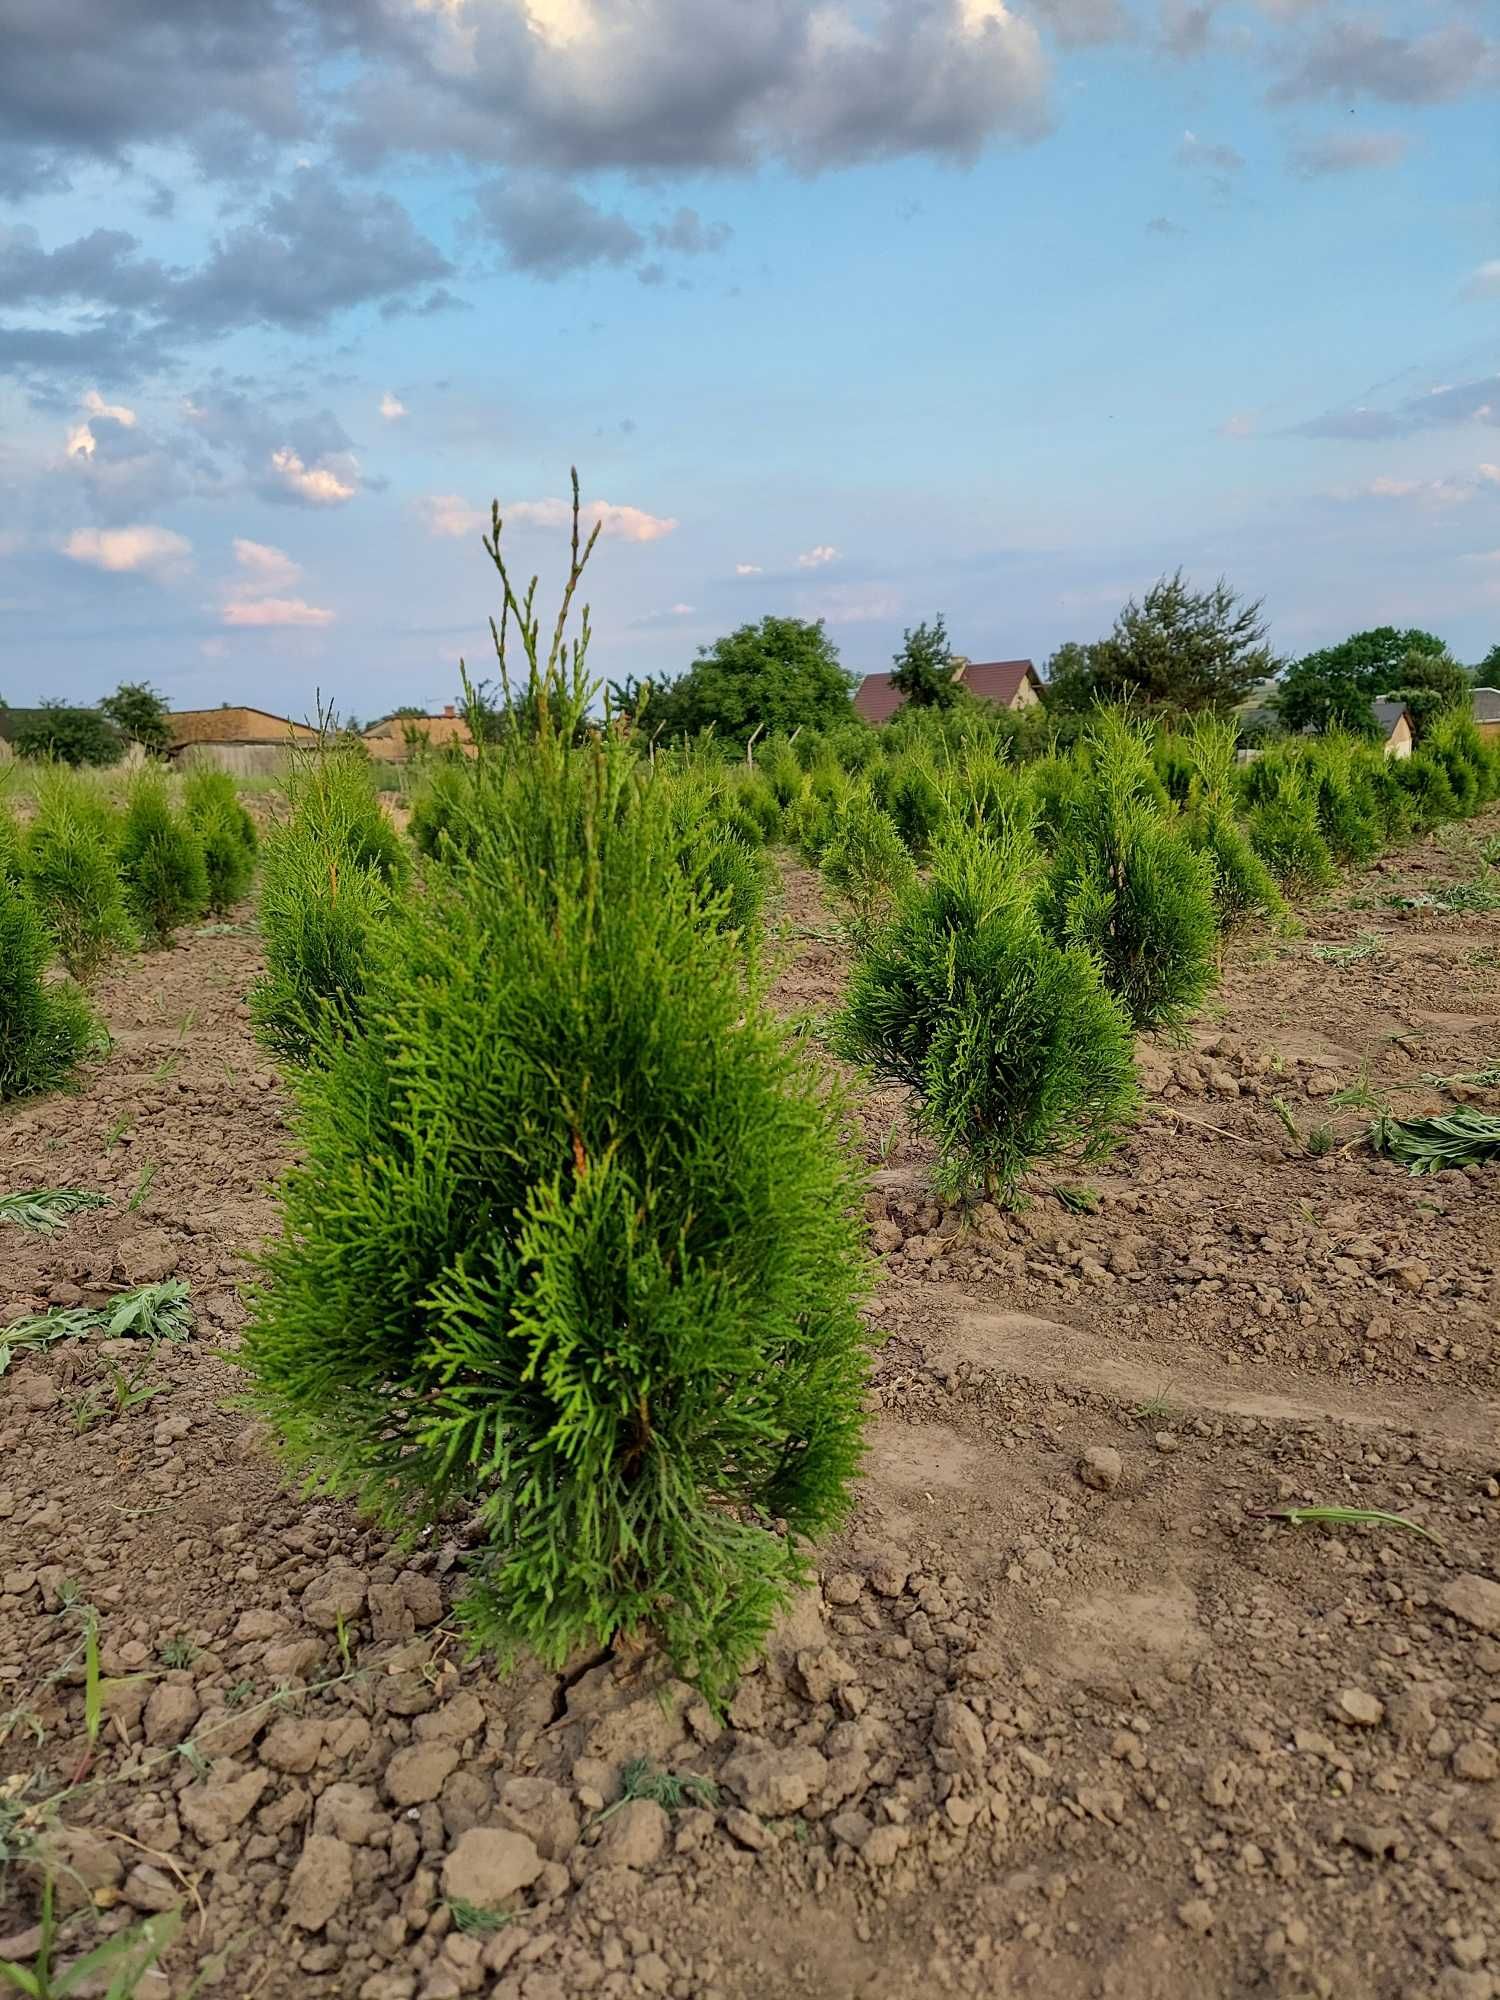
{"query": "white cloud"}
[(392, 408), (816, 558), (81, 440), (854, 603), (451, 515), (1241, 424), (1484, 281), (262, 611), (254, 599), (117, 413), (150, 551), (625, 524), (747, 569), (265, 568), (318, 485), (1455, 491)]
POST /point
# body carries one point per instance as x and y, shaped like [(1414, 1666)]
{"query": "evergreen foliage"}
[(1126, 884), (1012, 1047), (443, 821), (914, 800), (212, 808), (1284, 831), (326, 877), (923, 671), (45, 1025), (574, 1239), (866, 863), (73, 875), (161, 862)]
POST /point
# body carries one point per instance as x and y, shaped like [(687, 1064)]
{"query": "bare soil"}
[(1067, 1717)]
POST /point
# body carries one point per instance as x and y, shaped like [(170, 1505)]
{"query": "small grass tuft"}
[(1343, 1517)]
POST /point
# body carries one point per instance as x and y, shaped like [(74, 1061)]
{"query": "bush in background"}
[(45, 1026), (1008, 1040), (161, 862), (69, 736), (212, 808), (73, 874)]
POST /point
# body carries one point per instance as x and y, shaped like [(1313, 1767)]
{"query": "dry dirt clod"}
[(1474, 1599), (775, 1783), (490, 1864), (1102, 1468), (418, 1773), (321, 1882), (1357, 1705), (635, 1836)]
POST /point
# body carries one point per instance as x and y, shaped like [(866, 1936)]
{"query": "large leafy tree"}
[(1070, 686), (1333, 687), (140, 715), (925, 668), (1183, 649), (778, 675), (70, 735), (1487, 673)]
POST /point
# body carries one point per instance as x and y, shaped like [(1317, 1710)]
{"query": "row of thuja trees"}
[(575, 1237), (85, 881)]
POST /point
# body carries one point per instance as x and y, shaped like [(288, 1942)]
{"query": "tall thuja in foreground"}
[(1244, 886), (70, 860), (1126, 884), (212, 808), (45, 1025), (1011, 1045), (573, 1240), (161, 862), (326, 886)]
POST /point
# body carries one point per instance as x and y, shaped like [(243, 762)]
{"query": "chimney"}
[(449, 709)]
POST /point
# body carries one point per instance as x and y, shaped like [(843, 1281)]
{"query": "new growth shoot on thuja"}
[(573, 1240)]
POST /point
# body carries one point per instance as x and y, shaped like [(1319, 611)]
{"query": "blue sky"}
[(858, 311)]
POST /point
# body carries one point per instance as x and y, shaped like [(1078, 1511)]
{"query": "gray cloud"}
[(1350, 57), (1079, 24), (683, 84), (1347, 153), (1163, 225), (1209, 155), (1184, 29), (689, 235), (1476, 402), (548, 228), (308, 253)]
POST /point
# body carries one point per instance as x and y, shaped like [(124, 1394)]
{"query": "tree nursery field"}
[(875, 1375)]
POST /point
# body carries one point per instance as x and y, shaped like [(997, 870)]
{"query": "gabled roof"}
[(1487, 704), (235, 725), (878, 698), (1388, 714), (388, 741), (999, 680)]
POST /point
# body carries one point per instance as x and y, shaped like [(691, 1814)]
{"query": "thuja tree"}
[(213, 810), (1197, 765), (865, 863), (327, 881), (73, 875), (574, 1241), (161, 862), (45, 1025), (1126, 885), (1008, 1040)]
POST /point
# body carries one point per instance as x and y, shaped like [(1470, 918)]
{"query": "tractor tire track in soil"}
[(1063, 1718)]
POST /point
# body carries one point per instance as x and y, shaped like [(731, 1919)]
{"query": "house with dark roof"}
[(1487, 712), (1013, 684), (1393, 721)]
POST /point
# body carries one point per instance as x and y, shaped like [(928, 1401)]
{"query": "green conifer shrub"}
[(1425, 780), (1008, 1040), (1456, 744), (212, 808), (1244, 887), (865, 863), (73, 875), (45, 1025), (1283, 825), (12, 848), (161, 862), (914, 801), (442, 818), (1344, 817), (331, 792), (574, 1240), (1126, 884)]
